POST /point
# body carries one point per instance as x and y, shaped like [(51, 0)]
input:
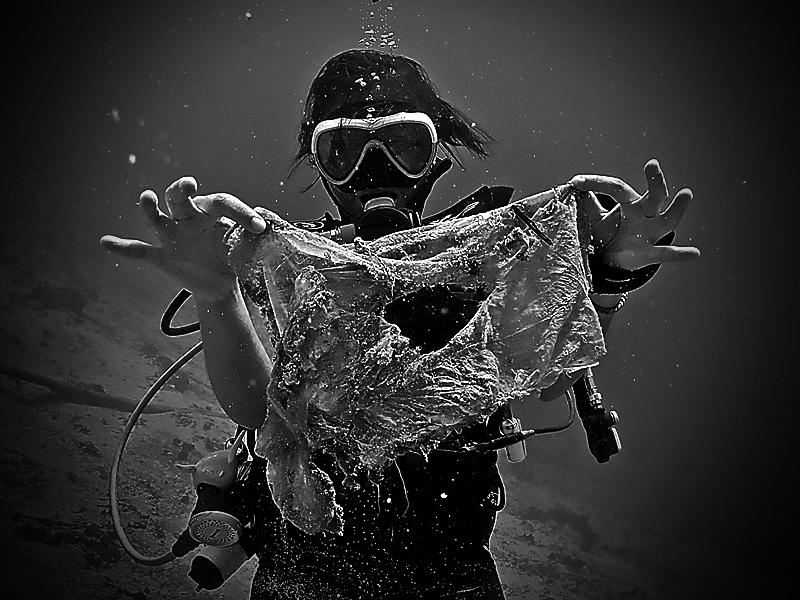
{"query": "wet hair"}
[(360, 83)]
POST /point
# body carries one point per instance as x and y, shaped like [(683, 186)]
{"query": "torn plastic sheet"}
[(347, 382)]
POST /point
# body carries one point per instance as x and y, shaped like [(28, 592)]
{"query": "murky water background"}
[(108, 101)]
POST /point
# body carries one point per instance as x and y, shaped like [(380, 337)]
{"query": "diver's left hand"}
[(628, 233)]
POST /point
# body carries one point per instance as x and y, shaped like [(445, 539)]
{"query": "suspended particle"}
[(115, 115), (248, 15), (132, 159)]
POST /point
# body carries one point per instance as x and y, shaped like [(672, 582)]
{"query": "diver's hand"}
[(191, 234), (628, 233)]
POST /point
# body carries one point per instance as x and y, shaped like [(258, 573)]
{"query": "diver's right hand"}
[(191, 234)]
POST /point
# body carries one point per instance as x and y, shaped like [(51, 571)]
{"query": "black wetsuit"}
[(423, 532)]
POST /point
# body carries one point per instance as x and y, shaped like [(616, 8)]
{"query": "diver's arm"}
[(192, 250), (626, 236), (237, 363)]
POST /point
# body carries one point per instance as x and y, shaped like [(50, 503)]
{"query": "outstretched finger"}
[(612, 186), (674, 213), (226, 205), (152, 216), (133, 249), (657, 196), (179, 198), (660, 254)]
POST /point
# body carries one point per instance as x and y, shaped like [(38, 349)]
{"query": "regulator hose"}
[(167, 328)]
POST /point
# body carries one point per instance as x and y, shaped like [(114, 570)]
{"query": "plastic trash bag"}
[(347, 382)]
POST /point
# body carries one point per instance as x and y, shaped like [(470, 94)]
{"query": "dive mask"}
[(408, 140)]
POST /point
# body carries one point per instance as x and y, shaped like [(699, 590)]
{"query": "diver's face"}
[(366, 160)]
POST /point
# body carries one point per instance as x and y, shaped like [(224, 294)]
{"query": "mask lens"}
[(338, 150), (410, 144)]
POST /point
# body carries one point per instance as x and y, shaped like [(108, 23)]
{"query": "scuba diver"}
[(379, 135)]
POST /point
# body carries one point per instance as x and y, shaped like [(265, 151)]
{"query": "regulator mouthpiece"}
[(381, 217)]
